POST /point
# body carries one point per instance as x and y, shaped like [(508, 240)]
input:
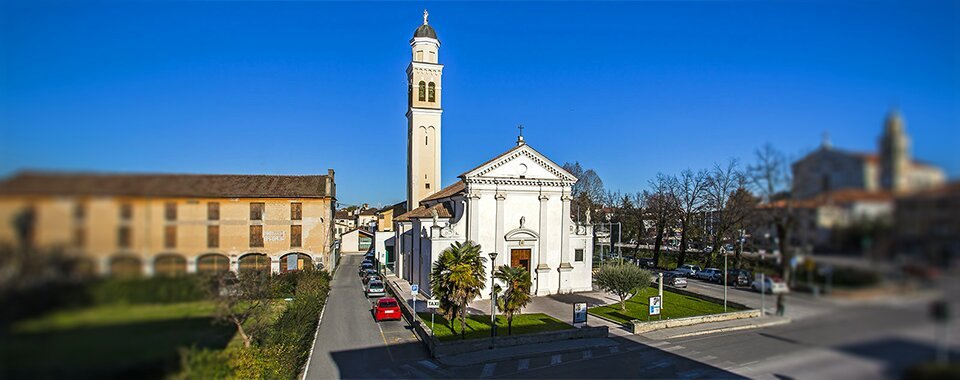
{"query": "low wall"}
[(640, 327), (438, 348)]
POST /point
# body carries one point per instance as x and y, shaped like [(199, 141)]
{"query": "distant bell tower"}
[(894, 154), (423, 115)]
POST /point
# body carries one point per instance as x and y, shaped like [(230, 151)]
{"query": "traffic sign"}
[(655, 305), (433, 303)]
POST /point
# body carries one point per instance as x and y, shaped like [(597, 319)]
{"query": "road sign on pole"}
[(655, 305)]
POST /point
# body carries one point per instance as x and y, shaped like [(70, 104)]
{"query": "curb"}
[(728, 329)]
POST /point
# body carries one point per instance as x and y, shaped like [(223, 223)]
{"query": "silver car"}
[(375, 289)]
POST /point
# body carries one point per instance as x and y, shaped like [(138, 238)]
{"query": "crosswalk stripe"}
[(523, 364), (428, 364), (415, 372), (587, 354), (555, 359), (488, 369)]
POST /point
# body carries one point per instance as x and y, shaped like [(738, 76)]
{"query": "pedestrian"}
[(780, 306)]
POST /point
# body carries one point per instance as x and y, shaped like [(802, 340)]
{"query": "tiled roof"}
[(448, 191), (166, 185), (425, 212)]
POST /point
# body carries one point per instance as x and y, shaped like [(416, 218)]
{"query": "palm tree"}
[(517, 294), (457, 277)]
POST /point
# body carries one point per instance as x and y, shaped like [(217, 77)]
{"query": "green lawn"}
[(675, 305), (126, 341), (478, 326)]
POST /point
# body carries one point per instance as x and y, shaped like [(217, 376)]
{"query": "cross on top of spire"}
[(425, 15)]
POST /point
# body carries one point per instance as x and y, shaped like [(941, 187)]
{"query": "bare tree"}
[(722, 184), (244, 303), (662, 207), (771, 178), (689, 190)]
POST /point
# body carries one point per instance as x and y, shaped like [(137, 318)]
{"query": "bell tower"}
[(424, 92)]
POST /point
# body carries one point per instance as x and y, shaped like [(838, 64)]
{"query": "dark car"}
[(645, 262), (736, 277)]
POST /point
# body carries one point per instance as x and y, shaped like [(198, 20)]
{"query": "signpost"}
[(579, 314), (432, 304), (654, 306), (414, 288)]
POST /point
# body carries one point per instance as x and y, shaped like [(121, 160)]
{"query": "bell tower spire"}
[(423, 114)]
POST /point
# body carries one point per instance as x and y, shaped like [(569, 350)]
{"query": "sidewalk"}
[(516, 352), (716, 327)]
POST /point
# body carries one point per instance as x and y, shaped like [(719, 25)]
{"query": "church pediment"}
[(522, 162)]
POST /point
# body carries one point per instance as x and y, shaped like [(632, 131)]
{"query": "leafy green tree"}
[(516, 296), (458, 277), (621, 280)]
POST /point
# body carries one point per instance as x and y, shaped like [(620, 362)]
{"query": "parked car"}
[(773, 285), (386, 308), (674, 279), (709, 274), (736, 277), (688, 270), (375, 288), (371, 277)]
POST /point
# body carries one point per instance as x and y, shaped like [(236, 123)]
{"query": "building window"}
[(213, 211), (432, 92), (170, 211), (126, 211), (213, 236), (422, 94), (295, 235), (79, 237), (296, 211), (123, 237), (256, 211), (256, 236), (170, 236), (79, 211), (578, 255)]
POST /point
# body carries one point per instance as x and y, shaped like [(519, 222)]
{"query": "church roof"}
[(425, 212), (425, 31), (448, 191)]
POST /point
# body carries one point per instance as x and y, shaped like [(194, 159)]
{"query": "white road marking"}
[(429, 364), (415, 372), (587, 354), (488, 369), (555, 359), (523, 364)]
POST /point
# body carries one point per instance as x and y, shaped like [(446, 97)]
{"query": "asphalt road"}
[(350, 344)]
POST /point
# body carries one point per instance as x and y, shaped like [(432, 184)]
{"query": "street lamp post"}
[(493, 299)]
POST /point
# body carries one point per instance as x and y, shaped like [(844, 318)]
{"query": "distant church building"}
[(516, 204), (829, 169)]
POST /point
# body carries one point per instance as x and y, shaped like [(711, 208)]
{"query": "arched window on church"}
[(423, 91), (433, 92)]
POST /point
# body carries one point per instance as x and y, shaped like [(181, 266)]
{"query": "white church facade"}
[(516, 204)]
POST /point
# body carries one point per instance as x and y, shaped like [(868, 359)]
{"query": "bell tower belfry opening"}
[(423, 114)]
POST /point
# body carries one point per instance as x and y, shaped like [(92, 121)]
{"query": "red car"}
[(386, 308)]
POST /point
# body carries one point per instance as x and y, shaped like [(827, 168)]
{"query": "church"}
[(517, 204)]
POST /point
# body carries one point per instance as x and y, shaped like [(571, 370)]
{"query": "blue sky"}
[(628, 89)]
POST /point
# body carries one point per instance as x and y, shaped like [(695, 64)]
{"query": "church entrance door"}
[(520, 258)]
